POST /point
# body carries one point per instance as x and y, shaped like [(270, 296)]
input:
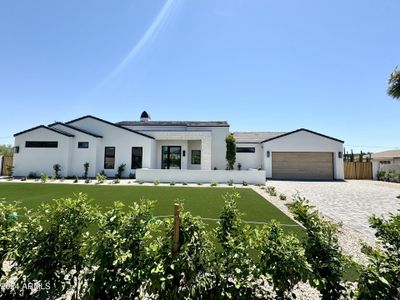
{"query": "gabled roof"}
[(387, 154), (254, 137), (175, 123), (109, 123), (302, 129), (45, 127), (75, 128)]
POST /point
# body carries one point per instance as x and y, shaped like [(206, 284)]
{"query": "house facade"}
[(175, 150), (385, 160)]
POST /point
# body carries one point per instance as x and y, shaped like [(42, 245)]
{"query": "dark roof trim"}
[(109, 123), (45, 127), (75, 128), (303, 129), (172, 123)]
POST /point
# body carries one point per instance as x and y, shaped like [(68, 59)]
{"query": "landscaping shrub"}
[(282, 197), (322, 250), (172, 183), (43, 177), (57, 170), (389, 175), (49, 247), (100, 178), (86, 170), (230, 182), (156, 182), (230, 151), (380, 279), (282, 257), (120, 171), (132, 176), (32, 175), (115, 181), (271, 190), (213, 183), (244, 183)]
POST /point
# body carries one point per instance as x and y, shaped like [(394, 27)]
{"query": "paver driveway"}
[(351, 202)]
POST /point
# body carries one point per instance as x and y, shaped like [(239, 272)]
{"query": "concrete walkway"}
[(350, 202)]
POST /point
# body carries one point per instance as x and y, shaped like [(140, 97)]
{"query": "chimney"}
[(144, 117)]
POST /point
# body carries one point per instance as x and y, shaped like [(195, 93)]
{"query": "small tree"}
[(120, 171), (230, 151), (86, 168), (57, 170)]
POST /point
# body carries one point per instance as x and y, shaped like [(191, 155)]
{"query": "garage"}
[(302, 165)]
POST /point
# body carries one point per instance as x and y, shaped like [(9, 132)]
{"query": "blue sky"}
[(261, 65)]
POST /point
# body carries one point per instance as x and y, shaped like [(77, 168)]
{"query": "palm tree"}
[(394, 84)]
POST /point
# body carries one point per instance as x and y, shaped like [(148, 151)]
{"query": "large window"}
[(109, 157), (196, 157), (41, 144), (137, 157), (171, 157), (83, 145), (245, 149)]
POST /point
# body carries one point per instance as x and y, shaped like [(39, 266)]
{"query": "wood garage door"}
[(302, 165)]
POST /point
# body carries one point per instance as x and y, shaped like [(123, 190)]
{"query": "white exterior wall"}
[(203, 176), (249, 160), (123, 141), (304, 141), (41, 159)]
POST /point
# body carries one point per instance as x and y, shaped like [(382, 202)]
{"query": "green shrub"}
[(57, 170), (141, 182), (53, 178), (282, 257), (184, 183), (101, 178), (120, 171), (51, 243), (213, 183), (87, 181), (156, 182), (244, 183), (230, 151), (115, 181), (381, 277), (86, 170), (132, 176), (321, 249), (230, 182), (282, 197), (43, 177), (32, 175), (172, 183), (76, 179), (271, 190)]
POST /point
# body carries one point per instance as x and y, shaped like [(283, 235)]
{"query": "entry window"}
[(245, 150), (109, 157), (385, 162), (196, 157), (137, 157), (41, 144), (83, 145)]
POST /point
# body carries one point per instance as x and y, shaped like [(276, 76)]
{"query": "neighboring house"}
[(385, 160), (183, 146)]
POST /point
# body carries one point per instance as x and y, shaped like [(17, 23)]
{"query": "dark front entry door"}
[(171, 157)]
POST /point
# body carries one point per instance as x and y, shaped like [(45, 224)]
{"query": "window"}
[(41, 144), (83, 144), (16, 149), (385, 162), (245, 150), (196, 157), (109, 157), (137, 157)]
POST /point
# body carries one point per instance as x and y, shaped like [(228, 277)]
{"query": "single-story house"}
[(175, 151), (385, 160)]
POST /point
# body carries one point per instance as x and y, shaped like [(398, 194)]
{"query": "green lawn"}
[(200, 201)]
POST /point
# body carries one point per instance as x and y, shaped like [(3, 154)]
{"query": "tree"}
[(394, 84), (6, 150), (230, 151)]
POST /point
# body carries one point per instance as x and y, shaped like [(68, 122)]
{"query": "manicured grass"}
[(200, 201)]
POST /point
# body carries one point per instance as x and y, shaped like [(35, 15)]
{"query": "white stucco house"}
[(180, 151), (385, 160)]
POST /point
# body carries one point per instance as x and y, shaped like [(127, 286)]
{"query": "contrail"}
[(157, 24)]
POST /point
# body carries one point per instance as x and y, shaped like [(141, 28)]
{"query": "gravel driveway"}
[(351, 201)]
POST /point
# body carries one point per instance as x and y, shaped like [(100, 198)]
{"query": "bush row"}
[(389, 175), (70, 246)]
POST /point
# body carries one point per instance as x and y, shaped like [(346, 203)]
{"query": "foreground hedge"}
[(71, 247)]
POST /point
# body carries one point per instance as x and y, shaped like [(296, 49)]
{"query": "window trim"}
[(80, 144), (41, 144), (246, 149), (192, 156), (141, 158), (105, 156)]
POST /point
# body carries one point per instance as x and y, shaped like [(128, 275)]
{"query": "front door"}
[(171, 157)]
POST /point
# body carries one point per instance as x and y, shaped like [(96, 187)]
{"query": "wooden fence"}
[(7, 162), (357, 170)]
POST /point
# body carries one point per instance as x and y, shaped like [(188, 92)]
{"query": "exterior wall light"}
[(183, 153), (340, 154), (268, 154)]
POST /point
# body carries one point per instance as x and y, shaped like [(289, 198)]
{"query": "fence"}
[(6, 165), (358, 170)]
